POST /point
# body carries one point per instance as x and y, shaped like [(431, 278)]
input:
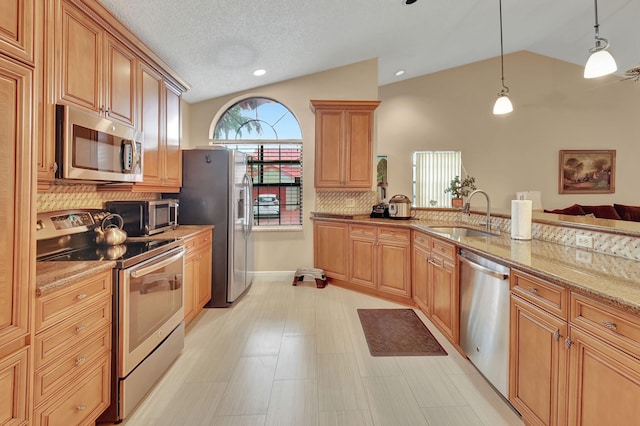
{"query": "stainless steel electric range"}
[(148, 312)]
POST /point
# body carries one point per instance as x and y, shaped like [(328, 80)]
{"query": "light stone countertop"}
[(613, 279), (53, 275)]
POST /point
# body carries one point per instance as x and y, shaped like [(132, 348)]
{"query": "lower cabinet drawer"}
[(607, 322), (67, 369), (81, 403), (443, 249), (64, 303), (59, 338)]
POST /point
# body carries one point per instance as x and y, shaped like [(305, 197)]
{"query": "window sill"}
[(278, 228)]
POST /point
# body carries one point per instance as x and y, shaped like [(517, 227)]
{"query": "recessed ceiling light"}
[(259, 72), (399, 73)]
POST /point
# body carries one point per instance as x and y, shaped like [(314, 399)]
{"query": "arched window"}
[(270, 135)]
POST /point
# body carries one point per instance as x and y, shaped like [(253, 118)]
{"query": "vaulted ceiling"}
[(215, 45)]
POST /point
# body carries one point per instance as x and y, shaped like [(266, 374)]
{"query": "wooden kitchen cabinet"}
[(159, 108), (435, 283), (150, 98), (17, 24), (93, 71), (197, 274), (380, 260), (344, 144), (17, 265), (72, 363), (604, 364), (330, 248), (14, 385), (363, 256), (604, 382), (394, 263), (539, 358), (420, 271), (538, 363), (93, 62), (170, 143), (443, 284)]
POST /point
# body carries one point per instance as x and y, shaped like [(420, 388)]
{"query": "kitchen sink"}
[(461, 231)]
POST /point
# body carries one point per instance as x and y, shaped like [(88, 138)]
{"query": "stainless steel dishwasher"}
[(484, 317)]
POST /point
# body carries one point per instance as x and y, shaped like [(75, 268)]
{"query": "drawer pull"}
[(433, 262), (533, 290), (81, 296), (610, 325), (81, 407), (80, 360), (80, 328)]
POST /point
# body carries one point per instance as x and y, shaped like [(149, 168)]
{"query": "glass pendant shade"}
[(503, 105), (600, 63)]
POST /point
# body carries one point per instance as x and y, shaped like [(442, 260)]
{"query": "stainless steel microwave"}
[(146, 217), (92, 148)]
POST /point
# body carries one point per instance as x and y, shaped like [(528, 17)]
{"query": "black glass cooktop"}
[(128, 250)]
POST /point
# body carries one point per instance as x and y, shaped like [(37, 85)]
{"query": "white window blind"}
[(432, 173)]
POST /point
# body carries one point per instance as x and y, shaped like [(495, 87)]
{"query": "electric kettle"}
[(109, 233)]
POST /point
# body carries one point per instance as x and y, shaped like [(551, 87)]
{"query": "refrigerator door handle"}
[(249, 205)]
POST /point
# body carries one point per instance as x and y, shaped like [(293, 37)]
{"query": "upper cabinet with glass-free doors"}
[(344, 144)]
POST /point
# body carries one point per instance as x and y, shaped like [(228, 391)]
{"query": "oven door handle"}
[(155, 266)]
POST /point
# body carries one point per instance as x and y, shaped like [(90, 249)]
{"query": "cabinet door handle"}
[(80, 328), (568, 342), (81, 296), (556, 335), (80, 360), (81, 407), (610, 325)]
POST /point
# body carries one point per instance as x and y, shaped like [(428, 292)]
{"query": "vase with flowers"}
[(460, 189)]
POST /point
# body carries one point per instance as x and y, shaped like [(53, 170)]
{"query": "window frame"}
[(264, 148)]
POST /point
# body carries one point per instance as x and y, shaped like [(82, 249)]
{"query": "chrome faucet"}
[(467, 207)]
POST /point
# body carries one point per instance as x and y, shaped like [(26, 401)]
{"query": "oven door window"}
[(153, 306)]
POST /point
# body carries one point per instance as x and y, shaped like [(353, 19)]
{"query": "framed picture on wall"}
[(587, 172)]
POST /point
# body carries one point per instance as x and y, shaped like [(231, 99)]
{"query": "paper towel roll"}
[(521, 219)]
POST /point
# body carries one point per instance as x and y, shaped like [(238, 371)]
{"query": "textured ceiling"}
[(215, 45)]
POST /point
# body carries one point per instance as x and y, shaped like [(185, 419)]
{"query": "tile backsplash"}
[(61, 197), (616, 244)]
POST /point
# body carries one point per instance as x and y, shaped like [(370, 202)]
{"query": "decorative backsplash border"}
[(603, 242), (62, 197)]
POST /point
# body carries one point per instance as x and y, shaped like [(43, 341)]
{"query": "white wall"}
[(286, 251), (554, 108)]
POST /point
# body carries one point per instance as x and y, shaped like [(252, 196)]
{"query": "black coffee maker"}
[(380, 210)]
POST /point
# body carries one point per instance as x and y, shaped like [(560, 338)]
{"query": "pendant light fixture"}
[(600, 62), (503, 103)]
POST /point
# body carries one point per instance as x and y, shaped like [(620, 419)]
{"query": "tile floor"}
[(288, 355)]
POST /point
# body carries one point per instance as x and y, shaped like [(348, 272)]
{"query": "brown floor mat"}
[(397, 332)]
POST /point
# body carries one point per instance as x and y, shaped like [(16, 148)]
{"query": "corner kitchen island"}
[(574, 328)]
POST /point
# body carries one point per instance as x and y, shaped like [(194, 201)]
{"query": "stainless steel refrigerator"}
[(217, 190)]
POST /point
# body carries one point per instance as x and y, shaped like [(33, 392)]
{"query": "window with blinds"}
[(432, 173)]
